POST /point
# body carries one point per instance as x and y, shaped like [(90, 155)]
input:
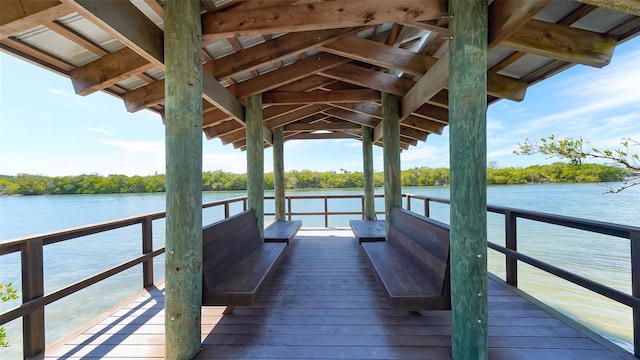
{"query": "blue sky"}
[(46, 129)]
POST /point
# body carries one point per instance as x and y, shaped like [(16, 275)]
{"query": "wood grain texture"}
[(255, 159), (183, 138), (468, 148), (316, 16), (562, 42), (282, 231), (367, 173), (391, 154), (368, 230), (107, 70), (278, 173)]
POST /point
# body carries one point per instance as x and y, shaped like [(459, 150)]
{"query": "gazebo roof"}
[(319, 65)]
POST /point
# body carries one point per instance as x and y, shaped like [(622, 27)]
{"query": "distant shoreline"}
[(26, 184)]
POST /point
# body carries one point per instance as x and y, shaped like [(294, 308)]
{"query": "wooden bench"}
[(236, 263), (412, 266), (368, 230), (282, 231)]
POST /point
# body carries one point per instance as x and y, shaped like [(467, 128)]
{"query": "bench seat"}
[(412, 265), (246, 279), (282, 231), (368, 230), (236, 262)]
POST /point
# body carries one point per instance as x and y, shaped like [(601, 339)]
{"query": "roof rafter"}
[(320, 97), (316, 16), (562, 42), (28, 14), (108, 70), (128, 24)]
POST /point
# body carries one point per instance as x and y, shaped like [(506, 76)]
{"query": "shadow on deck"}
[(324, 303)]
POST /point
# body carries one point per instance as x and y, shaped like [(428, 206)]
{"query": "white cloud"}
[(501, 152)]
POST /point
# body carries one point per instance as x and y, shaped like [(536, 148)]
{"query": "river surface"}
[(597, 257)]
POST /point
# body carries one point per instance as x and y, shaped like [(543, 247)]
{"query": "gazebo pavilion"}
[(258, 73)]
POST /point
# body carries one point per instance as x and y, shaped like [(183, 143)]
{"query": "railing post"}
[(511, 243), (363, 211), (226, 209), (147, 248), (326, 212), (635, 288), (408, 202), (244, 204), (33, 341), (426, 207), (289, 207)]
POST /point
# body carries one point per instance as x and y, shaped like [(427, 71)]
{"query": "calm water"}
[(601, 258)]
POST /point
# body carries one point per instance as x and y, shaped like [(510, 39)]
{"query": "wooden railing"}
[(31, 249), (510, 249), (325, 209), (32, 267)]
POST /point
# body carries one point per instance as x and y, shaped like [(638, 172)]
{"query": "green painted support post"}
[(391, 154), (278, 172), (255, 158), (183, 139), (367, 169), (468, 164)]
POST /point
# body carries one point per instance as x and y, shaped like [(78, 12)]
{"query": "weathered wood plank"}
[(628, 7), (183, 137), (391, 154), (108, 70), (22, 15), (562, 42), (319, 97), (467, 134), (255, 159), (278, 173), (367, 173), (316, 16), (429, 85), (126, 23), (505, 17)]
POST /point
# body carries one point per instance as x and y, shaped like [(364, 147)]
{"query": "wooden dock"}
[(324, 303)]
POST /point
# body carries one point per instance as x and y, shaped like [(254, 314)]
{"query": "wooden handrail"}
[(513, 256)]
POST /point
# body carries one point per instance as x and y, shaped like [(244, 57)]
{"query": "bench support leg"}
[(229, 310)]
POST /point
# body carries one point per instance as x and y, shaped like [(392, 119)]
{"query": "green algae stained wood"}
[(183, 139), (278, 172), (367, 170), (467, 144), (391, 154), (255, 158)]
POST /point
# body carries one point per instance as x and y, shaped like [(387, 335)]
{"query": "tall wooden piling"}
[(468, 164), (278, 172), (183, 139), (255, 158), (367, 170), (391, 153)]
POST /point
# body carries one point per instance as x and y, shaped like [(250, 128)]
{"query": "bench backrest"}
[(225, 243), (425, 241)]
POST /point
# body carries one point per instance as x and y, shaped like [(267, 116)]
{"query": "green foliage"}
[(7, 293), (577, 150), (304, 179)]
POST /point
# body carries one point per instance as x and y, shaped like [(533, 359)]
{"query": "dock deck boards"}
[(323, 302)]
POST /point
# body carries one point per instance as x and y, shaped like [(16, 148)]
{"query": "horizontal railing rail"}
[(632, 233), (325, 209), (31, 250)]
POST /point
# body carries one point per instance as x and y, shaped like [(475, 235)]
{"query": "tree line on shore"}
[(25, 184)]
